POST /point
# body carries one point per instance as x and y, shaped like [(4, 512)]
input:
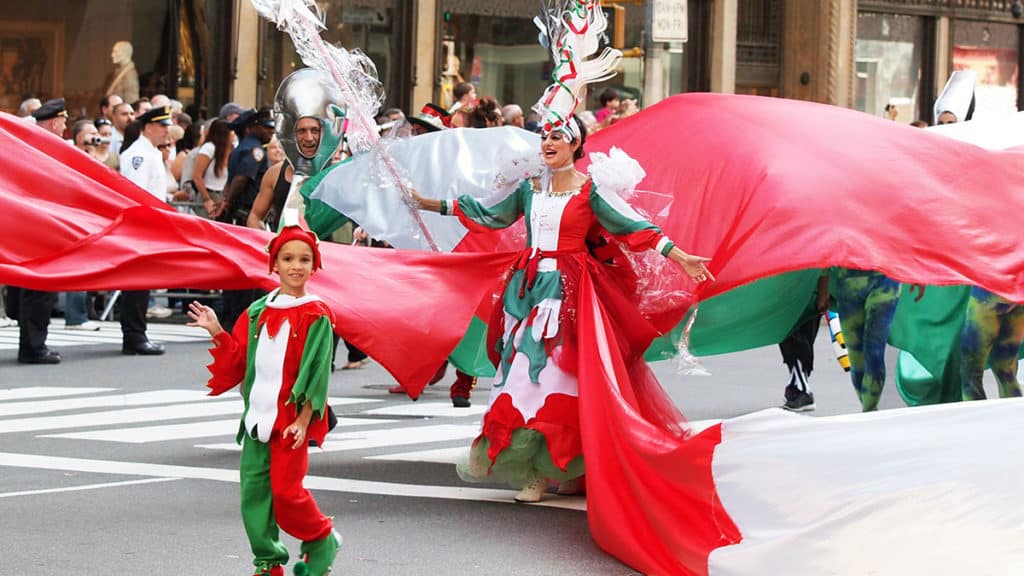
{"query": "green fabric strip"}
[(321, 218), (314, 368), (470, 356), (548, 285)]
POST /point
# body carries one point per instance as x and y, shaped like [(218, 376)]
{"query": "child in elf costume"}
[(280, 351)]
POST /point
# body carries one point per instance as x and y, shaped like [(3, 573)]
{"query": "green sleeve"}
[(617, 216), (499, 211), (314, 368)]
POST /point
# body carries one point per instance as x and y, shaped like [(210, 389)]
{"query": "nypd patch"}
[(258, 154), (137, 161)]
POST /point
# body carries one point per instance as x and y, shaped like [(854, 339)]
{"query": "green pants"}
[(867, 304), (273, 498), (992, 333)]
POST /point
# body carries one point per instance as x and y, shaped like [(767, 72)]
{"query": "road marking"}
[(109, 333), (146, 434), (87, 487), (366, 439), (137, 399), (427, 410), (128, 416), (439, 456), (45, 392), (10, 459)]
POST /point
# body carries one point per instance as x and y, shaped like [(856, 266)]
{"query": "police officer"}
[(246, 166), (35, 307), (143, 163)]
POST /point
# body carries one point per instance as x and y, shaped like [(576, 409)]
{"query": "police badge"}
[(137, 161)]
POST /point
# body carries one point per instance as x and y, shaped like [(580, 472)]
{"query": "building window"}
[(758, 34), (888, 54), (377, 27), (991, 50)]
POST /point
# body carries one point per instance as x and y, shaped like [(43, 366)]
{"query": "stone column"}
[(943, 53), (723, 46), (243, 87), (818, 46), (425, 69)]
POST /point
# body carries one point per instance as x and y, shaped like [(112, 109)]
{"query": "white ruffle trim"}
[(514, 170), (616, 171)]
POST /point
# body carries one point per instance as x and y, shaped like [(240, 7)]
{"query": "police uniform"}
[(248, 160), (35, 307), (143, 164)]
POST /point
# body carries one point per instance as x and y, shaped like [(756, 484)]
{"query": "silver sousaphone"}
[(308, 93)]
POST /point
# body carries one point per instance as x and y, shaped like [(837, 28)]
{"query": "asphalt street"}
[(115, 464)]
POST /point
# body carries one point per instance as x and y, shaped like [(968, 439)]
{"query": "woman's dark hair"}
[(220, 135), (486, 113), (583, 137)]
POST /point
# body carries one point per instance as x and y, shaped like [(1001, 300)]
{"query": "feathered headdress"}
[(571, 29)]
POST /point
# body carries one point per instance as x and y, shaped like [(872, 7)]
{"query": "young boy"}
[(280, 351)]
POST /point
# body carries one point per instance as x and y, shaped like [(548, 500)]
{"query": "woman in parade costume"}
[(284, 384), (866, 302), (531, 431), (992, 333)]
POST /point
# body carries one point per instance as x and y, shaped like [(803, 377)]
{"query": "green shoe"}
[(318, 557)]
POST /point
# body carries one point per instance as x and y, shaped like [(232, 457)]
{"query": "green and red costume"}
[(280, 352)]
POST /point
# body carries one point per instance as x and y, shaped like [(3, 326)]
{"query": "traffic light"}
[(616, 32)]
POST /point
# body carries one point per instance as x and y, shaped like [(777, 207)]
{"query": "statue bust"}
[(126, 79)]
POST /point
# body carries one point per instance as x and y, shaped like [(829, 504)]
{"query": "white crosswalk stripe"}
[(390, 432), (109, 333)]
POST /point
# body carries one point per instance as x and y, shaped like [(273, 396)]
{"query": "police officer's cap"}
[(254, 117), (158, 115), (51, 109), (264, 117)]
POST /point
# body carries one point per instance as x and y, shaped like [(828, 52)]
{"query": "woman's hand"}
[(428, 204), (204, 317), (218, 208), (693, 265), (209, 205)]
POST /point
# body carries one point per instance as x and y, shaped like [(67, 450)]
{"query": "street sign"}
[(669, 21)]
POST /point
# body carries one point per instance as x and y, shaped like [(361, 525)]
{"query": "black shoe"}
[(460, 402), (792, 391), (800, 402), (146, 348), (47, 357)]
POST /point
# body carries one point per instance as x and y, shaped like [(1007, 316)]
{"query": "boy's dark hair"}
[(608, 95), (461, 89)]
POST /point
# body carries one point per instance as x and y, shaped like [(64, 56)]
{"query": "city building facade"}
[(864, 54)]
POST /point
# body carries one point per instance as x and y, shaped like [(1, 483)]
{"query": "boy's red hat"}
[(293, 227)]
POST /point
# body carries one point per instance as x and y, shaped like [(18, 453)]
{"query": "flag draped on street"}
[(763, 186)]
